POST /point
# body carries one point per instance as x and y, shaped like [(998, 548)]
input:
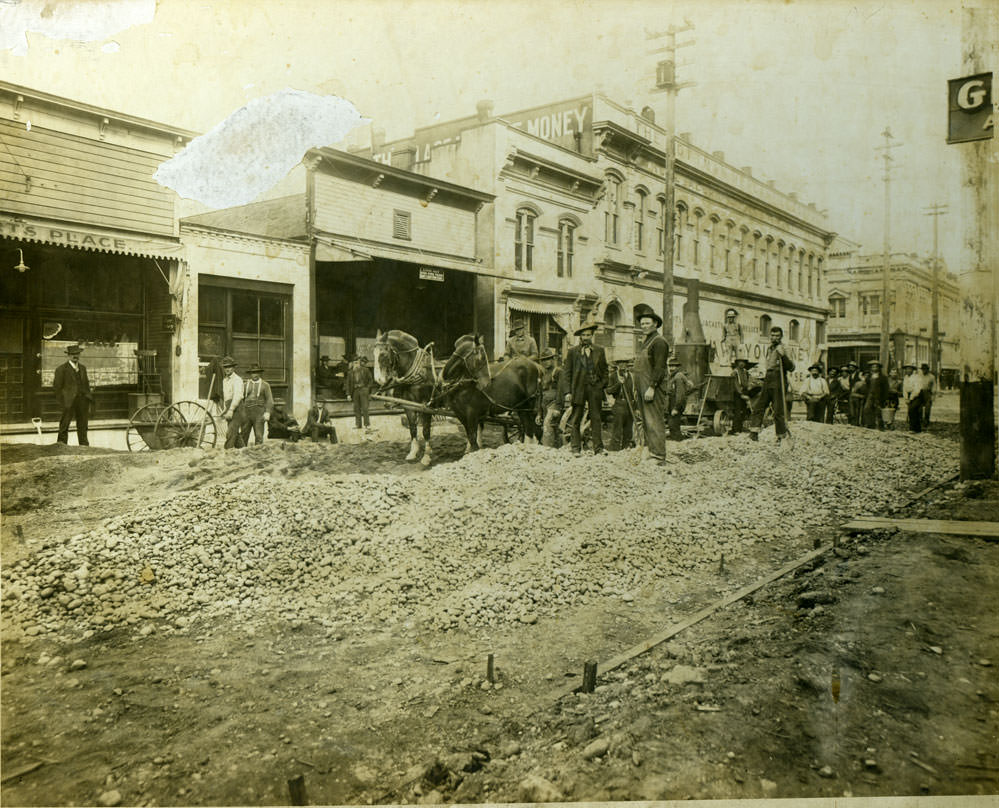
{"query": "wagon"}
[(712, 405), (171, 426)]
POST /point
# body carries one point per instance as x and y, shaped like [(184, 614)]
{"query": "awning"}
[(85, 237), (539, 306)]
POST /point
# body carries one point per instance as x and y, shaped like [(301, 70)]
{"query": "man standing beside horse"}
[(585, 379)]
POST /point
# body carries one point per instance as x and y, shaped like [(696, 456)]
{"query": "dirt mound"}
[(25, 452)]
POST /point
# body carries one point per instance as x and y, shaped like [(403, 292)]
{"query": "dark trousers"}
[(250, 418), (675, 432), (323, 431), (362, 402), (594, 398), (79, 409), (927, 409), (916, 413), (772, 394), (622, 423), (741, 412), (816, 410)]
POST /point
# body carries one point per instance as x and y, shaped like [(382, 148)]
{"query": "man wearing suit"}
[(877, 397), (257, 406), (585, 379), (319, 424), (72, 391), (360, 382)]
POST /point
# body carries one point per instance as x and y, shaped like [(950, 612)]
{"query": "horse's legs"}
[(426, 418), (414, 444)]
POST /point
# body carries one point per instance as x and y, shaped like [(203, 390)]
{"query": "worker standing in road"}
[(815, 393), (256, 407), (746, 387), (622, 387), (649, 373), (678, 387), (232, 396), (585, 376), (360, 382), (776, 364), (928, 384)]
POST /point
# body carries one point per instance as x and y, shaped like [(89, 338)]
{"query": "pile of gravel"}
[(503, 535)]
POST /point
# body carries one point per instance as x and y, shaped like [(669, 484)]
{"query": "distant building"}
[(855, 290), (578, 225)]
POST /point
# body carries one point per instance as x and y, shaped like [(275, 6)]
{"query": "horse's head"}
[(384, 359), (469, 361)]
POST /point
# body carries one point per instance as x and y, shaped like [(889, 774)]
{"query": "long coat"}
[(68, 384), (574, 372)]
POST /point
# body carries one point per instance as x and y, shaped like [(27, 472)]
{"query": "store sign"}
[(62, 236), (970, 115), (431, 274), (569, 124)]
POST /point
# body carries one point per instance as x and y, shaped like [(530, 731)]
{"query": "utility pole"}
[(886, 268), (935, 210), (666, 83)]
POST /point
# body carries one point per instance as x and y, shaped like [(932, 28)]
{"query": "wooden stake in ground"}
[(296, 790), (590, 676), (490, 670)]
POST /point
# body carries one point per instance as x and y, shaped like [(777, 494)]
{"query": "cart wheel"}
[(722, 423), (187, 424), (141, 433), (512, 432)]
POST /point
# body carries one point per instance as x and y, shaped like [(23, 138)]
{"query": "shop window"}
[(402, 225), (566, 247), (271, 317), (523, 247), (211, 306), (244, 313)]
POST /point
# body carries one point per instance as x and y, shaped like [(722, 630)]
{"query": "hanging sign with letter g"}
[(970, 115)]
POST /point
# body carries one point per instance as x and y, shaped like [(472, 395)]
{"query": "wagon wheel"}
[(721, 423), (511, 430), (188, 424), (141, 433)]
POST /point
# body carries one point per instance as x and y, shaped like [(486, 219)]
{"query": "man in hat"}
[(649, 373), (835, 391), (746, 388), (232, 396), (360, 383), (71, 386), (912, 394), (858, 391), (622, 387), (325, 378), (815, 393), (731, 337), (521, 343), (283, 425), (777, 365), (550, 401), (256, 407), (319, 423), (585, 375), (928, 384), (678, 387), (877, 396)]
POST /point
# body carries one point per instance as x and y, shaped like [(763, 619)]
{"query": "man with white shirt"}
[(928, 384), (256, 408), (815, 393), (912, 394), (777, 364), (232, 395)]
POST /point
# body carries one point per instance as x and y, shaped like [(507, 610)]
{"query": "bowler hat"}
[(516, 328), (673, 361), (874, 362), (647, 311), (834, 371), (731, 311), (324, 358), (228, 362), (255, 368), (852, 364), (74, 350)]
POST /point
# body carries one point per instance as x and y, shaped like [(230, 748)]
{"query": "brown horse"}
[(407, 369), (476, 389)]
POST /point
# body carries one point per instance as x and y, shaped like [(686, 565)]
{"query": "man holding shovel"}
[(777, 365)]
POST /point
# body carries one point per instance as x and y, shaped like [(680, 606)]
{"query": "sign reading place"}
[(969, 109)]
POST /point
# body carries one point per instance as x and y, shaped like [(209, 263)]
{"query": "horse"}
[(402, 365), (476, 389)]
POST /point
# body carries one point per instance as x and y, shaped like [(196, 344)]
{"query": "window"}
[(794, 331), (402, 225), (870, 304), (755, 256), (820, 333), (790, 273), (818, 278), (811, 266), (766, 260), (523, 241), (779, 264), (566, 237), (837, 306), (713, 234), (681, 224), (743, 241), (640, 221), (765, 323), (661, 226), (698, 215), (801, 271), (728, 247), (613, 199)]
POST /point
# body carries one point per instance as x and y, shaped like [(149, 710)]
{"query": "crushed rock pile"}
[(502, 535)]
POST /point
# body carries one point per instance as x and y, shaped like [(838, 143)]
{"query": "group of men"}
[(870, 398)]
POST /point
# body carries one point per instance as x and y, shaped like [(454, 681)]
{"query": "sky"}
[(799, 90)]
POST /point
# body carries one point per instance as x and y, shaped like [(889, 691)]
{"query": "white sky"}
[(799, 90)]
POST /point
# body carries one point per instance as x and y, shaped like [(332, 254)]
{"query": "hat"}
[(731, 311), (924, 366), (324, 358), (228, 362), (672, 361), (745, 359), (363, 359), (589, 325), (516, 328), (909, 365), (623, 360), (647, 311), (74, 350), (852, 363), (874, 362), (549, 354), (833, 370), (255, 368), (817, 366)]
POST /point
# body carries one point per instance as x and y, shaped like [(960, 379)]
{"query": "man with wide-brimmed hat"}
[(360, 383), (256, 407), (232, 396), (585, 374), (678, 387), (928, 384), (877, 396), (649, 372), (71, 386), (520, 343), (858, 391), (550, 400), (746, 387), (835, 392), (777, 364), (731, 339), (326, 378), (622, 386), (814, 391)]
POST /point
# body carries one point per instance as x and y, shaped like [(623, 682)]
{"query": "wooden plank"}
[(953, 527), (164, 228), (146, 190), (32, 161), (39, 137), (69, 190)]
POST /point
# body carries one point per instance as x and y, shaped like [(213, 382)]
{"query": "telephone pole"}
[(935, 210), (666, 83), (886, 268)]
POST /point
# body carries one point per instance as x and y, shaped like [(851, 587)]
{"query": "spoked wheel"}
[(721, 423), (141, 433), (187, 424)]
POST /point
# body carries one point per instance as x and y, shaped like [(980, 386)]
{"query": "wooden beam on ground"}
[(953, 527)]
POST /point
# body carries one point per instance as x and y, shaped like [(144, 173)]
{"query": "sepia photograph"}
[(431, 402)]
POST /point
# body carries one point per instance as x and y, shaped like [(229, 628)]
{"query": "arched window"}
[(794, 331), (767, 249), (780, 263), (757, 235), (743, 243), (698, 215), (801, 271), (523, 240), (649, 114), (566, 247), (791, 252), (714, 232), (681, 225), (661, 224), (612, 200), (640, 220), (811, 268), (818, 278), (729, 229), (765, 323)]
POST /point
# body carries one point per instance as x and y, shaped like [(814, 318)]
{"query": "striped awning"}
[(86, 237), (531, 305)]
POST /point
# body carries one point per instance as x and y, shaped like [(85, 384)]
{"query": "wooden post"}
[(589, 676), (296, 790), (490, 670)]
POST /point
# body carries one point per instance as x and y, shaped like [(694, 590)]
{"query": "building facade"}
[(578, 226), (855, 295)]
